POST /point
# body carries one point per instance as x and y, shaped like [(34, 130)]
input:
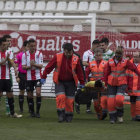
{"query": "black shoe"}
[(89, 112), (77, 107), (38, 115), (61, 120), (104, 115), (68, 119), (133, 119), (21, 111), (32, 115)]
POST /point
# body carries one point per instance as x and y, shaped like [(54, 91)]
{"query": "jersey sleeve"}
[(112, 54), (85, 56), (41, 59), (24, 59)]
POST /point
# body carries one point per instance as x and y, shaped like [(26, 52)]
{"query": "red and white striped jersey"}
[(5, 69), (37, 58)]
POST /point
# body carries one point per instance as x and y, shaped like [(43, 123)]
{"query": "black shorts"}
[(32, 83), (22, 77), (6, 85)]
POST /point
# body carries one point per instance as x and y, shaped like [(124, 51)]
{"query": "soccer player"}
[(8, 40), (6, 61), (107, 53), (21, 75), (32, 61), (88, 57), (66, 75)]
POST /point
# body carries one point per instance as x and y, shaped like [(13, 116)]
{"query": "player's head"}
[(128, 57), (104, 44), (98, 54), (68, 50), (3, 44), (32, 45), (136, 57), (8, 40), (118, 54), (25, 45), (95, 44)]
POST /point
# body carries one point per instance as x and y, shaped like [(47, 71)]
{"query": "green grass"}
[(83, 127)]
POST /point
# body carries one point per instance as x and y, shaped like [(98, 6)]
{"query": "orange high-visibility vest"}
[(117, 76), (97, 72), (133, 89), (58, 66)]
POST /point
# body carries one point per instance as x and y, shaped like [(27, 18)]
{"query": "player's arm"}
[(24, 67), (24, 63), (87, 71), (40, 65), (85, 59), (4, 61)]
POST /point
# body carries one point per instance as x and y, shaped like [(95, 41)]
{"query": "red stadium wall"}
[(52, 45)]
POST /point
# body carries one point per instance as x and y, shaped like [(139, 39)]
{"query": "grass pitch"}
[(83, 127)]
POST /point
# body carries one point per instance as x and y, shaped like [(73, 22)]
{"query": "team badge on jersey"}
[(75, 59), (123, 61), (103, 63), (37, 56)]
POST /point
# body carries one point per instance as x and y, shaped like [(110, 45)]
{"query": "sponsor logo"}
[(38, 83)]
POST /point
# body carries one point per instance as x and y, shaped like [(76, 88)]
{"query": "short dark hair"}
[(68, 46), (7, 36), (120, 47), (95, 42), (98, 51), (119, 51), (2, 40), (105, 40), (25, 43), (31, 41)]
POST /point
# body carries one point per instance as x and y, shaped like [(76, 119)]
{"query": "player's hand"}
[(18, 80), (43, 81), (31, 63), (82, 86)]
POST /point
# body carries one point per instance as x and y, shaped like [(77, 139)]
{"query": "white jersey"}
[(5, 69), (37, 58), (88, 56)]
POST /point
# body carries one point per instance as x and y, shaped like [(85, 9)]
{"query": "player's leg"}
[(38, 97), (104, 104), (22, 77), (6, 99), (119, 102), (60, 101), (133, 107), (111, 103), (70, 89), (30, 89), (9, 94), (137, 108)]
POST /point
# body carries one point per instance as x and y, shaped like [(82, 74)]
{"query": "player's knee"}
[(38, 94)]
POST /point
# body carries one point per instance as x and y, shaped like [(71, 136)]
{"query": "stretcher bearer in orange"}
[(134, 88), (116, 78), (97, 68), (66, 75)]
